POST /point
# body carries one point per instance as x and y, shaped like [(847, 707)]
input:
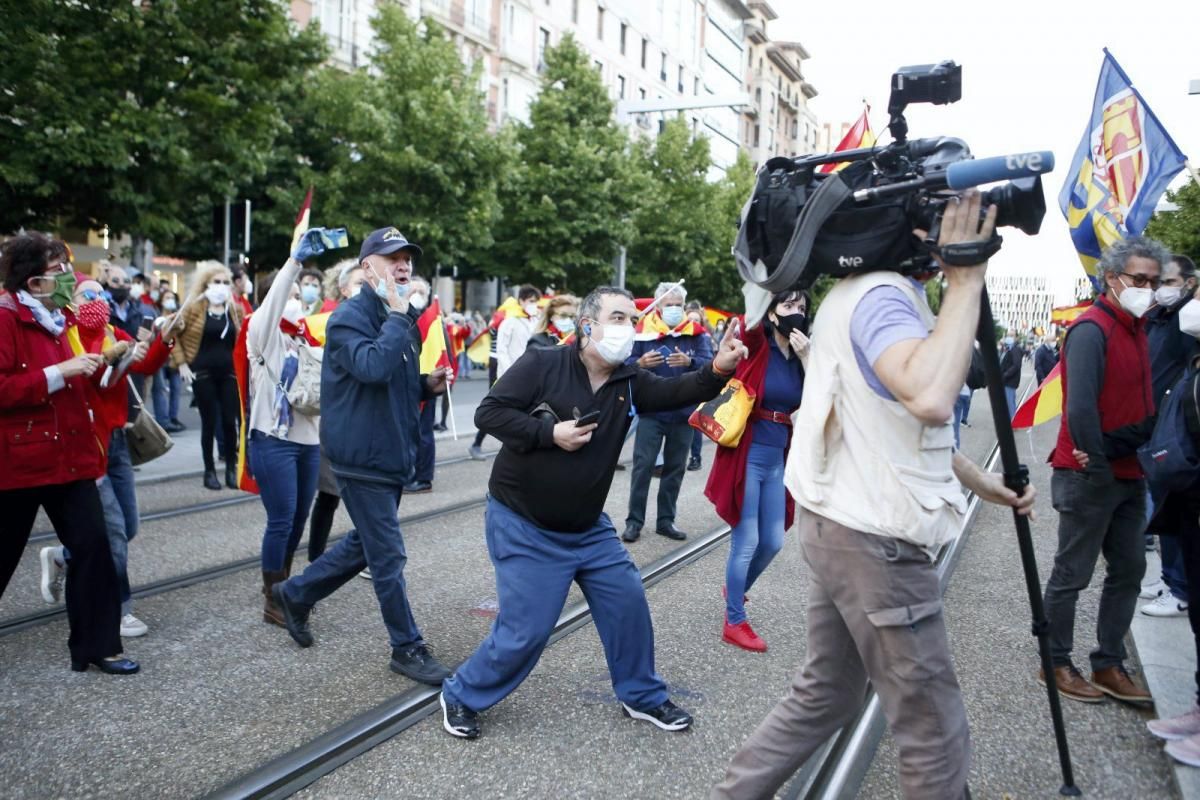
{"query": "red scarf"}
[(557, 334), (299, 329)]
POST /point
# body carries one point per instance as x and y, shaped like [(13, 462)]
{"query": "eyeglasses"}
[(1142, 281), (90, 295), (61, 266)]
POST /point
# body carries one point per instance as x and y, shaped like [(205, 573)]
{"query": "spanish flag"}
[(1065, 315), (479, 349), (302, 220), (434, 352), (858, 136), (651, 327), (1043, 405), (716, 315)]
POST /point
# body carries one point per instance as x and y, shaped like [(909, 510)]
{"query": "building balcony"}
[(756, 31)]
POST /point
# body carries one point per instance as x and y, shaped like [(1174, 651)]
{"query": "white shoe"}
[(1166, 606), (132, 627), (1176, 728), (365, 574), (54, 574), (1154, 590)]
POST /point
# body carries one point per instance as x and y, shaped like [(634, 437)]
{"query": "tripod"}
[(1016, 477)]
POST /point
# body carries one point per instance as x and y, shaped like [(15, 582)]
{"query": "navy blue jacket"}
[(371, 390), (1170, 348), (1044, 359), (698, 347)]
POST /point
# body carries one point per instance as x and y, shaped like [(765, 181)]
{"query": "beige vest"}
[(859, 459)]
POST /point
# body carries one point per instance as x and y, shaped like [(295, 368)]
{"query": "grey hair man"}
[(1098, 487)]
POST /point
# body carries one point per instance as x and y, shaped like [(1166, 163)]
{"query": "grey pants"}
[(874, 612), (1107, 518)]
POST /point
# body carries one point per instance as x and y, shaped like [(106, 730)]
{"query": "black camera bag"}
[(801, 224)]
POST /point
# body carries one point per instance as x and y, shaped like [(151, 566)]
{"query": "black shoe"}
[(210, 480), (694, 464), (231, 476), (295, 620), (668, 716), (440, 427), (632, 532), (657, 471), (179, 426), (416, 662), (671, 532), (418, 487), (116, 665), (476, 453), (458, 720), (620, 467)]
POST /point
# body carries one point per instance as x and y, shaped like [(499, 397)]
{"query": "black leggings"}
[(323, 510), (480, 435), (217, 395)]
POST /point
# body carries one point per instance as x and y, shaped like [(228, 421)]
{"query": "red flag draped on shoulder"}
[(859, 135)]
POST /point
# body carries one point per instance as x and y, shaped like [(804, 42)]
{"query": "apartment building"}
[(1021, 302), (723, 73), (778, 121)]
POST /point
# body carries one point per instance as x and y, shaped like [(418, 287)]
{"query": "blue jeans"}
[(534, 570), (961, 406), (697, 441), (375, 542), (165, 392), (675, 439), (1010, 394), (286, 473), (426, 448), (114, 526), (758, 536), (120, 472)]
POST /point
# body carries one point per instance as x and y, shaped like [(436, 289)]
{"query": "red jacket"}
[(45, 439), (727, 479), (1126, 396), (112, 403)]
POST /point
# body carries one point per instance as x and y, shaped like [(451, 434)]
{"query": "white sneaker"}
[(1166, 606), (1186, 750), (365, 574), (132, 627), (1175, 728), (1153, 590), (54, 574)]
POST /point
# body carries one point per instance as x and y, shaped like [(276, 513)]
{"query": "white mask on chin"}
[(617, 343)]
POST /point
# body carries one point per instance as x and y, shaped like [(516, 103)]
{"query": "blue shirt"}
[(883, 317), (698, 347), (782, 387)]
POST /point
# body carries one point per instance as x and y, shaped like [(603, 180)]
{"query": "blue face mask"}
[(309, 293), (381, 288), (672, 315), (1009, 341)]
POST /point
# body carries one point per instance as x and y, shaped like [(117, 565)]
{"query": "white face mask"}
[(617, 343), (1134, 300), (292, 310), (1189, 318), (417, 301), (531, 309), (1167, 295), (136, 291), (564, 324), (217, 294)]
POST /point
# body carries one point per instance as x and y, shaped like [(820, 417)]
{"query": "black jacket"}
[(1010, 366), (556, 490), (1044, 359)]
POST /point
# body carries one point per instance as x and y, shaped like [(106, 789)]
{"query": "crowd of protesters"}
[(282, 388)]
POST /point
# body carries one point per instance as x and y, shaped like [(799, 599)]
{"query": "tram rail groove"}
[(25, 621), (289, 773), (212, 505)]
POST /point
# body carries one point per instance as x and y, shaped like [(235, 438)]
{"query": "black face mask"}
[(790, 322), (120, 294)]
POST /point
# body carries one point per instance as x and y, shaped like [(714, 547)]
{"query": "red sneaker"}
[(743, 636)]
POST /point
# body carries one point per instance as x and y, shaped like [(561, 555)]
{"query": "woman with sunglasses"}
[(206, 329), (49, 446)]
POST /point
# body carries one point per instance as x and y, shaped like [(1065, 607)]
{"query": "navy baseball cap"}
[(384, 242)]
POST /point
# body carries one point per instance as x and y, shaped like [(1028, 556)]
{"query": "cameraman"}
[(883, 376)]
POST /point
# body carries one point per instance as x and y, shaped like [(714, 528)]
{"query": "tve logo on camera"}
[(1030, 161), (850, 261)]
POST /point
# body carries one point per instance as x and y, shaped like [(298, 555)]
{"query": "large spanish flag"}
[(1043, 405), (434, 352), (859, 135)]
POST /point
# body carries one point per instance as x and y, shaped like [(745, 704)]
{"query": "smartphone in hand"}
[(334, 238), (663, 351), (587, 419)]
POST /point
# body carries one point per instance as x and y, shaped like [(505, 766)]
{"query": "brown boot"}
[(1115, 682), (1072, 684), (287, 565), (271, 610)]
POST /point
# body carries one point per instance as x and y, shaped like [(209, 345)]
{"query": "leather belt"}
[(773, 416)]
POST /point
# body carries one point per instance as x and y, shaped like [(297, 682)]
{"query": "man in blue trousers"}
[(371, 388), (545, 521)]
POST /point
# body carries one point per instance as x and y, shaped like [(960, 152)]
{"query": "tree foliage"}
[(131, 114), (1180, 230), (568, 203), (716, 281)]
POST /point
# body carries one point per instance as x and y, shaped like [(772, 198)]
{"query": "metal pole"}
[(246, 244), (225, 255), (1016, 477), (620, 265)]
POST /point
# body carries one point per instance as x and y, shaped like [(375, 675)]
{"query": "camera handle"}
[(1016, 477)]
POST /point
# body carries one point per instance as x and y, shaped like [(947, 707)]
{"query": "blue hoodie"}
[(371, 390)]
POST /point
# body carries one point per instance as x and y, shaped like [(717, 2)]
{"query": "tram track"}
[(224, 502)]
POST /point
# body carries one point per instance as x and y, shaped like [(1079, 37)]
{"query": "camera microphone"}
[(965, 174)]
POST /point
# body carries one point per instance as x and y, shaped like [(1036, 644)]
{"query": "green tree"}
[(568, 205), (131, 115), (715, 279), (675, 231), (410, 145), (1180, 230)]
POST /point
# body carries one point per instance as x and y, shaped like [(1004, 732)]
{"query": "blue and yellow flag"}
[(1122, 166)]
